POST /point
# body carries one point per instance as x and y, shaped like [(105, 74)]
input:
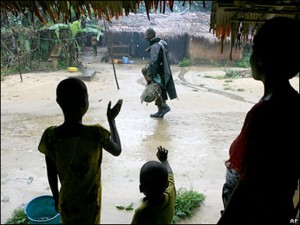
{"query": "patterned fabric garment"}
[(268, 140), (161, 213), (78, 162)]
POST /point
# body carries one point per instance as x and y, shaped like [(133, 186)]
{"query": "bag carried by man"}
[(152, 90), (151, 93)]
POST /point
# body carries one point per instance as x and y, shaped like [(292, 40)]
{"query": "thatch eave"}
[(226, 15), (251, 13), (223, 12)]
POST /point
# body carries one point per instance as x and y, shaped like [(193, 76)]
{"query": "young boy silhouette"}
[(157, 184), (73, 153)]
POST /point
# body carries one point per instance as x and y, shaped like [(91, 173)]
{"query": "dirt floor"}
[(198, 131)]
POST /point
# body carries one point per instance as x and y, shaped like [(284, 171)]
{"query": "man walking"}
[(159, 71)]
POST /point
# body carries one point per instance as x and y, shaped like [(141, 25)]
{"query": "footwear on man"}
[(157, 114), (164, 110)]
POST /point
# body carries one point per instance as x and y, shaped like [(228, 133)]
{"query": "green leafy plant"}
[(245, 60), (186, 202), (231, 73), (214, 77), (18, 216), (185, 62), (128, 208)]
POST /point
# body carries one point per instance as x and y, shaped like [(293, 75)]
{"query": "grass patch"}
[(186, 202), (232, 73), (214, 77), (18, 216)]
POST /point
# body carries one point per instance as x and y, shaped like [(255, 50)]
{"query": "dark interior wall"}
[(135, 41), (177, 46)]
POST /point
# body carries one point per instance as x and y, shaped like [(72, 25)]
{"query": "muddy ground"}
[(197, 131)]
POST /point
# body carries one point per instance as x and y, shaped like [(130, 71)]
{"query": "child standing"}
[(157, 183), (73, 153)]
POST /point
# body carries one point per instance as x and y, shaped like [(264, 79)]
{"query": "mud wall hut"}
[(208, 48), (187, 36)]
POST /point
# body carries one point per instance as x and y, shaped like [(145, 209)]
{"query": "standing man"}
[(159, 71), (94, 44)]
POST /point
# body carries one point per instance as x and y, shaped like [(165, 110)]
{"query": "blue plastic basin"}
[(41, 210)]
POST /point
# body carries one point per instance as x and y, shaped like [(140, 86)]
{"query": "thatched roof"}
[(225, 19), (166, 25), (223, 12), (226, 15), (59, 11)]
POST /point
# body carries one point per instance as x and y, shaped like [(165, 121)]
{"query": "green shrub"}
[(185, 62), (186, 202), (245, 60), (231, 73)]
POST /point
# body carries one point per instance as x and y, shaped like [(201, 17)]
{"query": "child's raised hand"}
[(162, 154), (113, 112)]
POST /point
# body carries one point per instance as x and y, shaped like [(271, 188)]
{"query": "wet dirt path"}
[(197, 132)]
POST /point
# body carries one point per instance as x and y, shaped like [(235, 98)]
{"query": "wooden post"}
[(109, 51), (54, 55), (54, 63), (19, 62)]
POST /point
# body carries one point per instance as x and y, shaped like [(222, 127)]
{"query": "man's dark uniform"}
[(160, 72)]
